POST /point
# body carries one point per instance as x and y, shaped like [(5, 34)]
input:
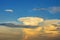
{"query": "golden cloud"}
[(30, 20), (49, 29)]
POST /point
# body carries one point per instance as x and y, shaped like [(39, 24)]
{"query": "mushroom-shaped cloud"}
[(30, 20)]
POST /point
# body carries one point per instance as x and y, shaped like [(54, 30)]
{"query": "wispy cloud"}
[(53, 9), (39, 9), (8, 10)]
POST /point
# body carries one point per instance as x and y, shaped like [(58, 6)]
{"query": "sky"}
[(11, 10)]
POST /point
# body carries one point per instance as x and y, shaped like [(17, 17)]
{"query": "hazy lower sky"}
[(11, 10)]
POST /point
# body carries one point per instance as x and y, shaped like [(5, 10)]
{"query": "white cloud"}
[(53, 9), (8, 10)]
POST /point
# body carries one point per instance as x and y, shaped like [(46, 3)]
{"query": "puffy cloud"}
[(51, 31), (30, 20), (53, 9), (49, 28), (8, 10)]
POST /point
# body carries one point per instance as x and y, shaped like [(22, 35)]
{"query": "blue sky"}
[(47, 9)]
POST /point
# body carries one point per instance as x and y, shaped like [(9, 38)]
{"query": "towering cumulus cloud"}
[(49, 30), (30, 20)]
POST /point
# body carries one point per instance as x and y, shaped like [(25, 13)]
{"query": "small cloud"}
[(8, 10)]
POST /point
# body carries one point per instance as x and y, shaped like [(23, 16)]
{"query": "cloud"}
[(48, 30), (53, 9), (50, 26), (30, 20), (14, 22), (52, 21), (33, 33), (39, 9), (8, 10), (36, 20)]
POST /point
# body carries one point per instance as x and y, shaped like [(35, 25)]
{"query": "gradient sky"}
[(23, 8)]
